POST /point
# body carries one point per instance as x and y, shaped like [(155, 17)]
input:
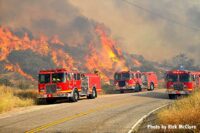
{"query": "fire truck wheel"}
[(121, 91), (138, 88), (75, 96), (172, 96), (96, 93), (93, 95), (151, 87)]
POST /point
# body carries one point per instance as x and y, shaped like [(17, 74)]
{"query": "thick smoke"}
[(49, 18), (156, 29)]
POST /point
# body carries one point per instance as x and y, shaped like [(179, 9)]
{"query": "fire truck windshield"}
[(44, 78), (122, 76), (125, 75), (117, 76), (178, 77), (184, 77), (58, 77)]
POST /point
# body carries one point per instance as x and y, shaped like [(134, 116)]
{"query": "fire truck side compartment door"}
[(70, 81), (84, 85), (77, 80)]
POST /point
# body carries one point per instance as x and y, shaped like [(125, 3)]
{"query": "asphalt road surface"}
[(108, 113)]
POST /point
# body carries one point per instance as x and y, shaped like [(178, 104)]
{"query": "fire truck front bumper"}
[(125, 88), (56, 95), (182, 92)]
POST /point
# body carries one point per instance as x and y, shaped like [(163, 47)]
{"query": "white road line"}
[(145, 116)]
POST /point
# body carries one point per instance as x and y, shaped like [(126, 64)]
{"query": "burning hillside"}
[(57, 35), (106, 59), (102, 54), (10, 42)]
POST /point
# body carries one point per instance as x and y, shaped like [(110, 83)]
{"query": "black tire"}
[(75, 96), (93, 95), (172, 96), (121, 91), (138, 88), (151, 88), (50, 101), (96, 93)]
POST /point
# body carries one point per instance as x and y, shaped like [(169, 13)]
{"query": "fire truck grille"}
[(178, 87), (122, 83), (50, 89)]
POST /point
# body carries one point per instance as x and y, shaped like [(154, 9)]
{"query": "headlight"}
[(58, 88), (171, 86), (41, 90), (116, 84)]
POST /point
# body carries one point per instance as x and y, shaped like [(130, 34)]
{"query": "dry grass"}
[(12, 98), (183, 111)]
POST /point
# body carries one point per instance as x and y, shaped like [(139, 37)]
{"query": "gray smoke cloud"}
[(42, 17), (153, 28)]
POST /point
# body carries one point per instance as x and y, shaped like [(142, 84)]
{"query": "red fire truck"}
[(181, 82), (135, 80), (149, 80), (60, 83)]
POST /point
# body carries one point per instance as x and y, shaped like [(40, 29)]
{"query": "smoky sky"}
[(157, 29), (47, 17)]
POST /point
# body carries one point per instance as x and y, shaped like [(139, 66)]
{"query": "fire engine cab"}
[(181, 82), (60, 83), (135, 80)]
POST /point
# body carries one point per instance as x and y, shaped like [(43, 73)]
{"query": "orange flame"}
[(10, 42), (55, 40), (136, 62), (16, 68), (108, 59), (62, 59)]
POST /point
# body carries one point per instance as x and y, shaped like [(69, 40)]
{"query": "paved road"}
[(108, 113)]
